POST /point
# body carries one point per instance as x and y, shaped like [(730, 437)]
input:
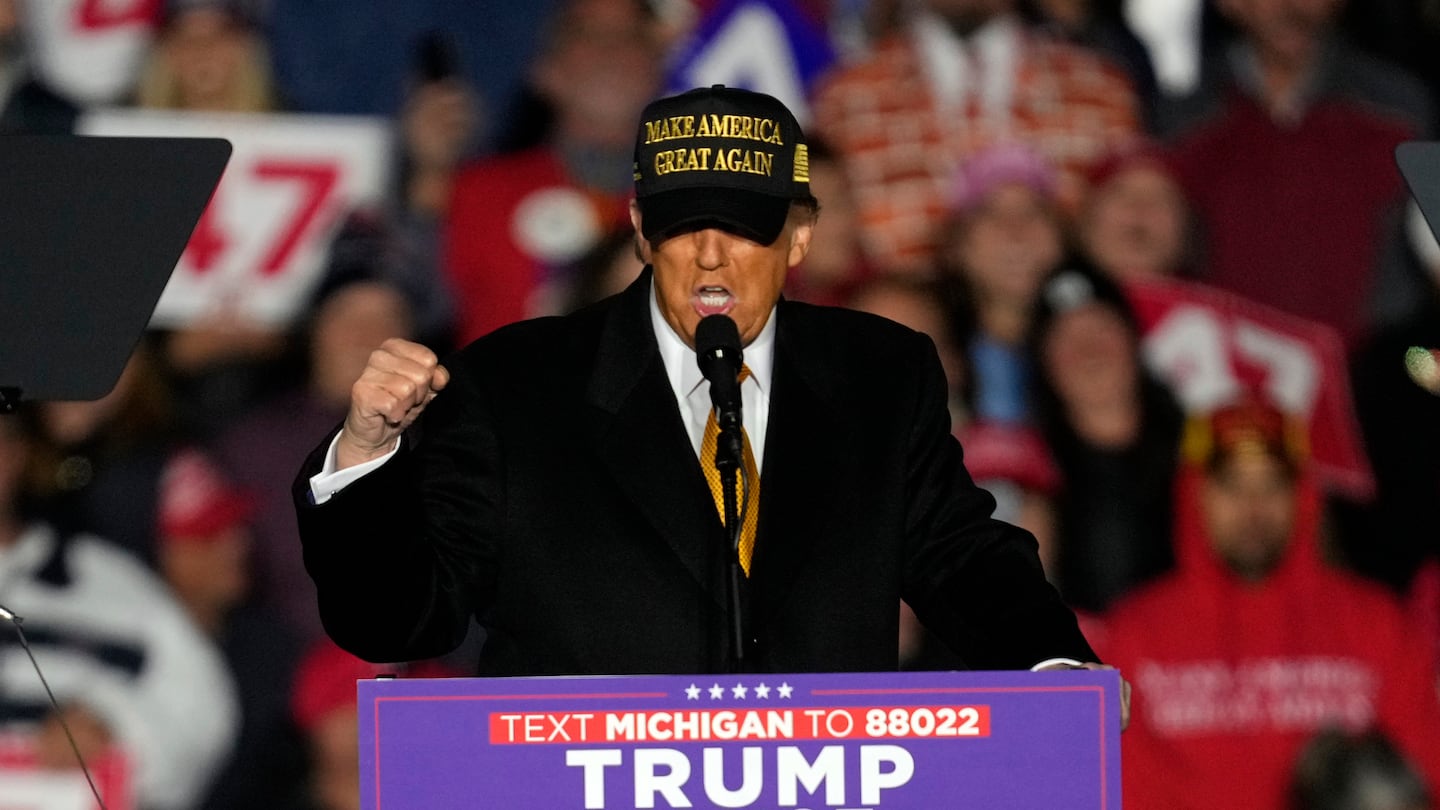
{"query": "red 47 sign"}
[(261, 244), (1212, 346)]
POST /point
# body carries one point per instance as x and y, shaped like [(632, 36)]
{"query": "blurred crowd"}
[(1174, 276)]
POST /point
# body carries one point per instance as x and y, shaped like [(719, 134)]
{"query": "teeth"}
[(714, 298)]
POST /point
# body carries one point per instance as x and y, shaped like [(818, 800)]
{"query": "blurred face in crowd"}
[(349, 325), (206, 47), (1134, 225), (1286, 31), (1008, 244), (602, 68), (1089, 357), (710, 271), (1248, 505), (209, 574)]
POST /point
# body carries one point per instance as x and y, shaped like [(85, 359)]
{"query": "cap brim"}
[(757, 217)]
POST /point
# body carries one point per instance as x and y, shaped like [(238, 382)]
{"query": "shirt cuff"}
[(1056, 662), (327, 482)]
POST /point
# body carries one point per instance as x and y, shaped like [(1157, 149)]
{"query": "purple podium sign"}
[(912, 741)]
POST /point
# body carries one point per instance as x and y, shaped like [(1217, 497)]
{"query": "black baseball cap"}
[(722, 155)]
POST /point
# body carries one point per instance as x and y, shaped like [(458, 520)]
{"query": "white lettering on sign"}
[(664, 775), (1197, 351)]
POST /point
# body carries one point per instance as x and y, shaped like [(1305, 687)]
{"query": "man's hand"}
[(396, 385), (1124, 688)]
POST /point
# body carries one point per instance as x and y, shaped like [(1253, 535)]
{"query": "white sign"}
[(264, 240)]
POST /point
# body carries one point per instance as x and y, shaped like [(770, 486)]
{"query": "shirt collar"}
[(679, 359)]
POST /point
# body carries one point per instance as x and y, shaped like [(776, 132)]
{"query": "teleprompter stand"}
[(90, 231)]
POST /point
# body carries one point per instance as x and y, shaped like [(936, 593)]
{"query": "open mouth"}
[(713, 301)]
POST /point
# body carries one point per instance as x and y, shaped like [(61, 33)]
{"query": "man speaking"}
[(555, 478)]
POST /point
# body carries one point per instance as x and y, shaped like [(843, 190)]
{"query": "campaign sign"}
[(263, 241), (771, 46), (1212, 347), (899, 741)]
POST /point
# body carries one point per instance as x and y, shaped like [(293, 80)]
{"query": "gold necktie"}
[(750, 512)]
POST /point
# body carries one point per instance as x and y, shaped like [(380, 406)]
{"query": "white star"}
[(762, 692), (692, 693), (739, 691), (716, 692), (785, 689)]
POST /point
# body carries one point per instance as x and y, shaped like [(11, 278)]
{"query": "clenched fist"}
[(398, 382)]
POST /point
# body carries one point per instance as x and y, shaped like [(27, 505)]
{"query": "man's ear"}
[(642, 247), (800, 236)]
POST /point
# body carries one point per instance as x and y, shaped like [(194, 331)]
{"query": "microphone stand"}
[(728, 453)]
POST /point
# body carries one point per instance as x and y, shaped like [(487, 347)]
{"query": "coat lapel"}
[(803, 464), (639, 437)]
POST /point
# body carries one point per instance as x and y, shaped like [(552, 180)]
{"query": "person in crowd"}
[(352, 312), (204, 556), (1340, 771), (957, 76), (99, 462), (1135, 222), (437, 128), (565, 438), (1003, 238), (27, 105), (517, 221), (1290, 114), (1254, 644), (1113, 429), (209, 58), (322, 702), (127, 665)]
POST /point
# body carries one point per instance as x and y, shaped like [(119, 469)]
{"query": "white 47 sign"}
[(1210, 360), (1213, 347), (264, 239)]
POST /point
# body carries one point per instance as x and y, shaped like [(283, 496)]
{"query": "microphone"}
[(717, 348)]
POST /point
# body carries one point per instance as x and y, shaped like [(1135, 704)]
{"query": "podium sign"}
[(898, 741)]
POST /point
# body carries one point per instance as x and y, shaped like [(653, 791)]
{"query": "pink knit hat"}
[(1000, 165)]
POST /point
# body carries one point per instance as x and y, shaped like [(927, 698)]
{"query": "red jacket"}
[(516, 225), (1231, 678)]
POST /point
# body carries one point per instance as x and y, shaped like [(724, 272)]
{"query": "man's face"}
[(1248, 505), (1283, 29), (606, 66), (710, 271)]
